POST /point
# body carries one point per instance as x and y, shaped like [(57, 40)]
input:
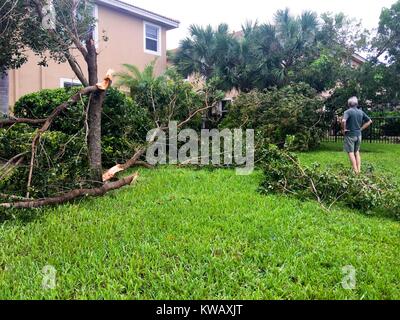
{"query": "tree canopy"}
[(305, 48)]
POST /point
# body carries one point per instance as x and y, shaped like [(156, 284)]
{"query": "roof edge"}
[(149, 15)]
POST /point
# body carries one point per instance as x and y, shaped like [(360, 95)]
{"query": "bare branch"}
[(96, 192)]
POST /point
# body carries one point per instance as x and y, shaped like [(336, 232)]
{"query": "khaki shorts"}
[(352, 144)]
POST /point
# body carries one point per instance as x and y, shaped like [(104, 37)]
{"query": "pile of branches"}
[(368, 192)]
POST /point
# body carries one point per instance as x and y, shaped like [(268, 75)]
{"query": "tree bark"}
[(9, 122), (26, 204), (94, 116), (94, 136)]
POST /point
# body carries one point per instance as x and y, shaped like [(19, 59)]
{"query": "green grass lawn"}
[(199, 234)]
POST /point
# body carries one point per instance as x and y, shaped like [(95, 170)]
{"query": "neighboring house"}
[(357, 60), (135, 36)]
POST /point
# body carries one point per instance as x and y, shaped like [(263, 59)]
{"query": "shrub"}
[(278, 113), (168, 97), (124, 123), (61, 160), (283, 173)]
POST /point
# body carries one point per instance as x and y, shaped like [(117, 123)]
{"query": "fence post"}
[(336, 129)]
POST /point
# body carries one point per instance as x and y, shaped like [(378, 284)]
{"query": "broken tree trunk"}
[(96, 192), (95, 112), (99, 88)]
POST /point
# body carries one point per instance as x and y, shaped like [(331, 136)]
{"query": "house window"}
[(152, 38), (69, 83)]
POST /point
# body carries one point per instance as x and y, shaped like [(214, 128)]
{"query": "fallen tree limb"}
[(12, 160), (72, 195), (9, 168), (12, 197), (11, 121), (144, 164), (109, 174)]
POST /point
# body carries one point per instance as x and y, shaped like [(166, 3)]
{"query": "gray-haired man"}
[(354, 122)]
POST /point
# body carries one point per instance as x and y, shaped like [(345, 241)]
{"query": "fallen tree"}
[(72, 195), (110, 174), (103, 86)]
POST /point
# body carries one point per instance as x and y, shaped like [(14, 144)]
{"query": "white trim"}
[(159, 41), (64, 80), (171, 24)]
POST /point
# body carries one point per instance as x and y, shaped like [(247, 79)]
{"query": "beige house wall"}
[(125, 44)]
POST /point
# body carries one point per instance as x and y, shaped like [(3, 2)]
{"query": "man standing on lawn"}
[(354, 122)]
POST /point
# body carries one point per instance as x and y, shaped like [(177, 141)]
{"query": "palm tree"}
[(208, 52), (132, 78)]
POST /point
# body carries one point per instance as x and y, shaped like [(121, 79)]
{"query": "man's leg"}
[(353, 162), (357, 147), (358, 160)]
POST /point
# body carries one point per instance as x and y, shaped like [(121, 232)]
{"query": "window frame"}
[(63, 81), (159, 40)]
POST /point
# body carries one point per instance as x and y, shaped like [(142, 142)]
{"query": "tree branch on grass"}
[(67, 197)]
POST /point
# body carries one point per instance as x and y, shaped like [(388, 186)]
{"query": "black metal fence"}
[(382, 130)]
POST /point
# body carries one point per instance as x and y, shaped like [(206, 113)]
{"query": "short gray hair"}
[(353, 102)]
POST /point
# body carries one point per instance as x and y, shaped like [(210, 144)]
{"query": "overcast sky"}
[(236, 12)]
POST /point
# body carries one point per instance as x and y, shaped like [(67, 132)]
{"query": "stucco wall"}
[(125, 45)]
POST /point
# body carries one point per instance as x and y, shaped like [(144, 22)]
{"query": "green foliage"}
[(210, 53), (61, 162), (376, 84), (12, 54), (388, 38), (21, 27), (276, 114), (167, 97), (40, 105), (291, 49), (43, 43), (283, 173), (124, 123)]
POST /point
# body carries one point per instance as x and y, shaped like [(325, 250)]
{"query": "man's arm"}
[(367, 121), (366, 125), (344, 129), (344, 123)]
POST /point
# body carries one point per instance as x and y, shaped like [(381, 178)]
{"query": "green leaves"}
[(283, 173), (61, 162), (277, 113)]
